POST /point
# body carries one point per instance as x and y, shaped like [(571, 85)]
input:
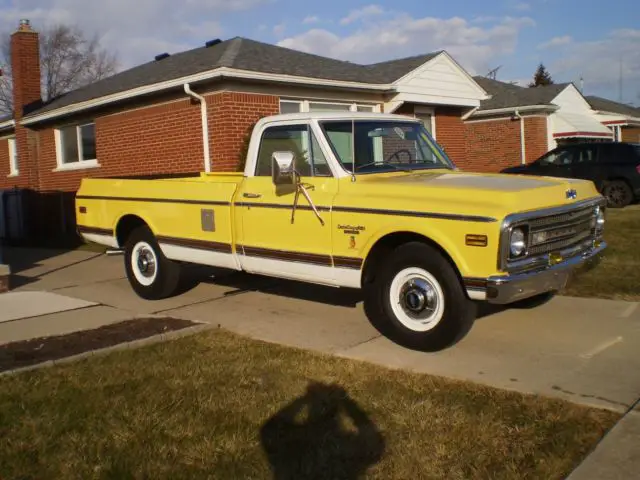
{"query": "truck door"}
[(275, 239)]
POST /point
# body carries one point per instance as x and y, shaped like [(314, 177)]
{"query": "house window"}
[(287, 106), (13, 157), (329, 107), (77, 146), (295, 106)]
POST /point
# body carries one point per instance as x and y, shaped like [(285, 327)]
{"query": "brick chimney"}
[(25, 68)]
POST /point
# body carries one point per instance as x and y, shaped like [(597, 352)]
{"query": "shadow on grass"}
[(322, 434)]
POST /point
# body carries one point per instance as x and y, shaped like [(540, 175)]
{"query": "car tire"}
[(618, 193), (417, 299), (151, 275)]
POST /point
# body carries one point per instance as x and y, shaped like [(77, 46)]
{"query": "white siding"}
[(440, 80), (570, 100)]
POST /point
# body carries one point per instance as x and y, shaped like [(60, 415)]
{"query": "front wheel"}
[(151, 275), (618, 193), (417, 300)]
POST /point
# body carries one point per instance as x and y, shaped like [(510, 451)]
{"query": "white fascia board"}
[(223, 72)]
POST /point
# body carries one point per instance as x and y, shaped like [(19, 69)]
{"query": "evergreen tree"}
[(541, 77)]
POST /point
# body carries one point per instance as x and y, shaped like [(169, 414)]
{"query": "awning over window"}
[(568, 125)]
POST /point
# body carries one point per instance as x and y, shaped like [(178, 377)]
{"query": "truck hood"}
[(464, 192)]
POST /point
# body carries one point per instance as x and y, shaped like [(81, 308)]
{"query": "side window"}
[(586, 155), (298, 139), (558, 158)]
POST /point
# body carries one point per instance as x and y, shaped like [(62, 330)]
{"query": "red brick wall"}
[(535, 135), (631, 134), (495, 144), (450, 133), (4, 163), (491, 145), (158, 139), (232, 114)]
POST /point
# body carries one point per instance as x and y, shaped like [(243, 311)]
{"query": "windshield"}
[(371, 146)]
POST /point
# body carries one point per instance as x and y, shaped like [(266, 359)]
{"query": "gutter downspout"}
[(205, 125), (523, 153)]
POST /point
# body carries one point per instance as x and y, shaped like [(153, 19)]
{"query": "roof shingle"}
[(506, 95), (242, 54), (605, 105)]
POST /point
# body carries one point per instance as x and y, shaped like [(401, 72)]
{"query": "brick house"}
[(519, 124), (623, 120), (189, 112)]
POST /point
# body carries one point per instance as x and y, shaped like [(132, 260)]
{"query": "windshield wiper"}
[(383, 163)]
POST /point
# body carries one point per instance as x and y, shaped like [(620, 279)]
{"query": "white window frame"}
[(353, 106), (419, 110), (14, 169), (80, 164)]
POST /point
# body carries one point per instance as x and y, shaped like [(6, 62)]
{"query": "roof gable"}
[(570, 99), (440, 75)]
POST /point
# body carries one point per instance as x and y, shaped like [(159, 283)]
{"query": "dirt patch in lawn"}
[(216, 405), (38, 350)]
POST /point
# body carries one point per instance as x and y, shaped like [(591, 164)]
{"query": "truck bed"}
[(190, 211)]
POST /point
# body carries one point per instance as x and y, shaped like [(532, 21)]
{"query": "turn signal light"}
[(476, 240)]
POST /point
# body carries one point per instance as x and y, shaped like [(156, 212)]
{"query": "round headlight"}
[(518, 243)]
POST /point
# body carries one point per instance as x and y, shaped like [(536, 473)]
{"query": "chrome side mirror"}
[(283, 168)]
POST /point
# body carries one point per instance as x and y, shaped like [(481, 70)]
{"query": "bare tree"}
[(68, 60)]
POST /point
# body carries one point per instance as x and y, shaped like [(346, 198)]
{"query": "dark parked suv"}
[(614, 168)]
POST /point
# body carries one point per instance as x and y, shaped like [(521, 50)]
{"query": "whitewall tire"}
[(151, 275), (417, 299)]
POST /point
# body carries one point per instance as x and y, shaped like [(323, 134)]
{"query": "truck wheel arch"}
[(390, 241), (126, 225)]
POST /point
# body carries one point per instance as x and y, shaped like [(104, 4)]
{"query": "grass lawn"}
[(216, 405), (618, 276)]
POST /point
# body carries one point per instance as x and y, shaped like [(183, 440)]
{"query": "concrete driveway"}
[(582, 350)]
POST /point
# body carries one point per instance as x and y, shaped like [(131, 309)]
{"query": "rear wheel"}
[(151, 275), (417, 300), (618, 193)]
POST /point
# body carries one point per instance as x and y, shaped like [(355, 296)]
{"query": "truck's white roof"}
[(335, 115)]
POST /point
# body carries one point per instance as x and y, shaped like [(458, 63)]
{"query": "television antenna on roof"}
[(493, 73)]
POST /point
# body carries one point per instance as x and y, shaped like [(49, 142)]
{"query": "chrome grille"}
[(564, 231)]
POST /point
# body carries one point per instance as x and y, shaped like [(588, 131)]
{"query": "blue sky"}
[(573, 38)]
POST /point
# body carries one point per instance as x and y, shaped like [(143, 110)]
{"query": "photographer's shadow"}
[(322, 434)]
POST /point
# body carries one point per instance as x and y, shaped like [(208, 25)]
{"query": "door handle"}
[(251, 195)]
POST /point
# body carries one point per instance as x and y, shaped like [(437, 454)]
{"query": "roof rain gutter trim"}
[(7, 124), (209, 75), (527, 108)]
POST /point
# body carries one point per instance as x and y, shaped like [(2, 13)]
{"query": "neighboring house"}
[(519, 124), (623, 120), (189, 112)]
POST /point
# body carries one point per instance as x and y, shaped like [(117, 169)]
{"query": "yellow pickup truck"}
[(358, 200)]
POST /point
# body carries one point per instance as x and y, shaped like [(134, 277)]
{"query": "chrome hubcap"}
[(418, 298), (146, 262)]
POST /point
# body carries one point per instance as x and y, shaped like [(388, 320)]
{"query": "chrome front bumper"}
[(507, 289)]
